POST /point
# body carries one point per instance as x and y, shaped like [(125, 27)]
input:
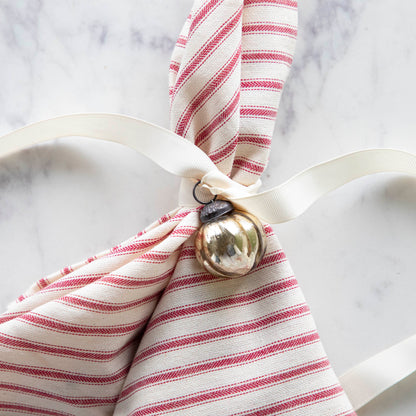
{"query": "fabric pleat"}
[(142, 328)]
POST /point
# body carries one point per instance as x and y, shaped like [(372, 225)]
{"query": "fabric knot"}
[(214, 183)]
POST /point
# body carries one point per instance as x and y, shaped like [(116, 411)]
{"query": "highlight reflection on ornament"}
[(230, 242)]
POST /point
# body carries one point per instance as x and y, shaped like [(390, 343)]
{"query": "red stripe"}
[(42, 283), (96, 305), (138, 246), (72, 282), (265, 56), (219, 363), (154, 257), (231, 305), (191, 279), (202, 14), (118, 281), (184, 231), (188, 252), (286, 3), (258, 112), (203, 278), (56, 325), (64, 351), (255, 140), (66, 270), (248, 165), (174, 67), (187, 280), (142, 243), (66, 376), (63, 283), (12, 407), (77, 401), (219, 120), (262, 84), (208, 49), (207, 92), (8, 316), (134, 282), (181, 41), (222, 332), (273, 258), (250, 28), (221, 303), (243, 388), (224, 151)]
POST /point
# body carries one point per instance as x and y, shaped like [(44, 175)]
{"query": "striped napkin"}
[(141, 328)]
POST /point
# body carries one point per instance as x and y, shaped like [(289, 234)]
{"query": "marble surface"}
[(352, 87)]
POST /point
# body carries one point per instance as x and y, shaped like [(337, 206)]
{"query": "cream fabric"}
[(142, 329)]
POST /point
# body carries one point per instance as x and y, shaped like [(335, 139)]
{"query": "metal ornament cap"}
[(214, 210), (231, 245)]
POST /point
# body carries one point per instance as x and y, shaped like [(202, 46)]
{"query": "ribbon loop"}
[(220, 184)]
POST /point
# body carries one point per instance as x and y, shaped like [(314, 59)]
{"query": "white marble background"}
[(352, 87)]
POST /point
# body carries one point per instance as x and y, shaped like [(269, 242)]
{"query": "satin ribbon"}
[(182, 158), (277, 205)]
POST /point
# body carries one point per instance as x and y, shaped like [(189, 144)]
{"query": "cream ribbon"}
[(277, 205)]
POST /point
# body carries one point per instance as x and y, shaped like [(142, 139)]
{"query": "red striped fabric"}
[(141, 328)]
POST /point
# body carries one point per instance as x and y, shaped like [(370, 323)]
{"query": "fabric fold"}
[(75, 333), (231, 346)]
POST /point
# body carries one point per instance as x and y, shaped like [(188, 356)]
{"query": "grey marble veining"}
[(352, 87)]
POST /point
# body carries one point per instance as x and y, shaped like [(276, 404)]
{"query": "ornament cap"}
[(214, 210)]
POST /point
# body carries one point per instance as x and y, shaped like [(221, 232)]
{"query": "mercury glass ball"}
[(230, 242)]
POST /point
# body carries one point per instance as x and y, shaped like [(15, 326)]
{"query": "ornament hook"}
[(198, 200)]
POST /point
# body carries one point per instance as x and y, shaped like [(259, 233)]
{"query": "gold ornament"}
[(230, 242)]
